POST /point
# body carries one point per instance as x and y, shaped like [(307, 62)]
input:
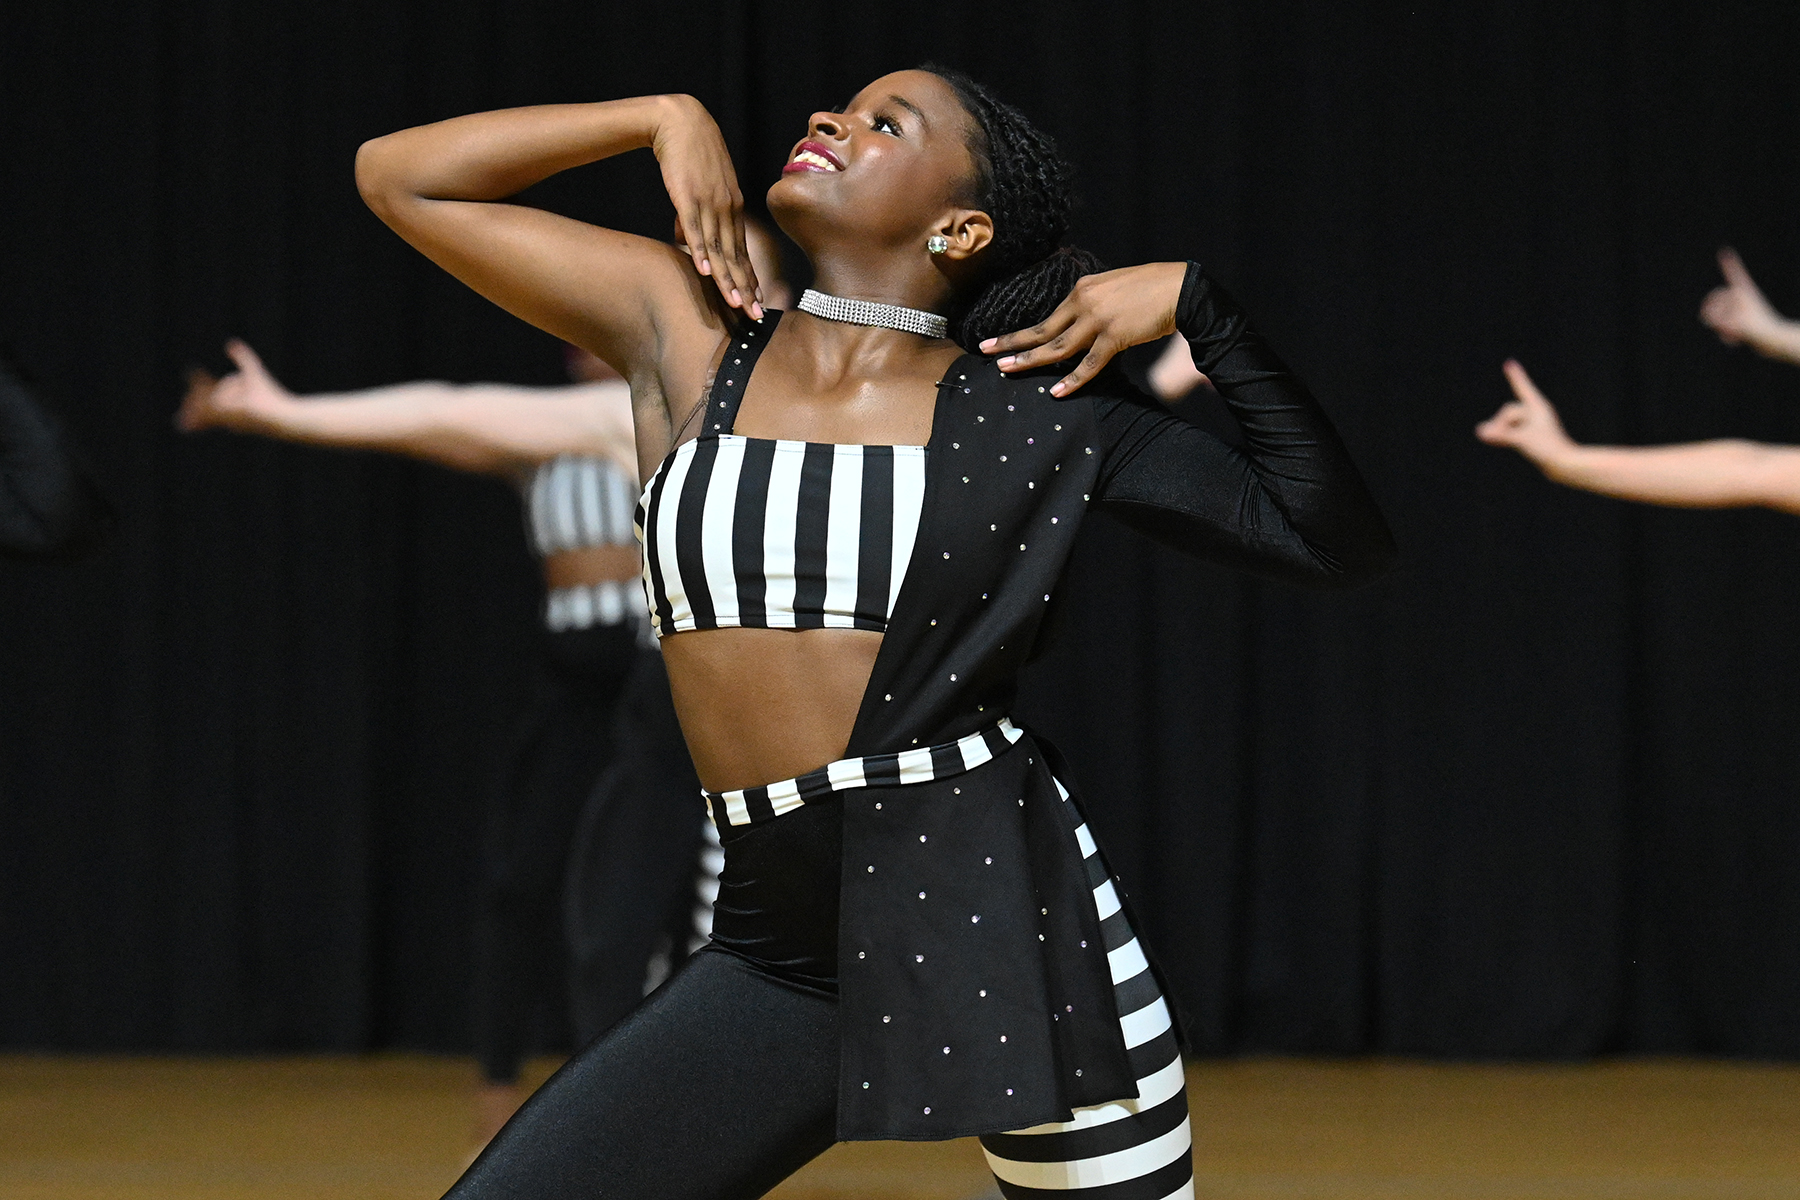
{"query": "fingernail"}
[(705, 267), (736, 298), (1056, 389), (987, 347), (1006, 362)]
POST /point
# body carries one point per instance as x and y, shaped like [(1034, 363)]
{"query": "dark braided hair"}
[(1023, 183)]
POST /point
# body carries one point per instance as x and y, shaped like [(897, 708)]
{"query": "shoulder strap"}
[(733, 375)]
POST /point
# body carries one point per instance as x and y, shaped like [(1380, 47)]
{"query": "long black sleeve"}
[(48, 506), (1289, 505)]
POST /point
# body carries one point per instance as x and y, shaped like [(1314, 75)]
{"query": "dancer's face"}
[(889, 170)]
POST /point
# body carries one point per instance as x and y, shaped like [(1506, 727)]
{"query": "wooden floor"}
[(395, 1128)]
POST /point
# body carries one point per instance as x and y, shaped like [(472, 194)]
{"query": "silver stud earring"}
[(937, 243)]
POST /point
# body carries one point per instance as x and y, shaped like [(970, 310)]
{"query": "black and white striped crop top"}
[(572, 503), (775, 534)]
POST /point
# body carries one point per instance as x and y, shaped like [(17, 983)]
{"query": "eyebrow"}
[(912, 108)]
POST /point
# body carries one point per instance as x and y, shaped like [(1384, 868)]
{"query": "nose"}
[(826, 126)]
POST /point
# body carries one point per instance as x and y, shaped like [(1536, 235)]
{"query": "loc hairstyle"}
[(1023, 183)]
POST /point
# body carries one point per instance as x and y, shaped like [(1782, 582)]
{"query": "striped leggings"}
[(724, 1081)]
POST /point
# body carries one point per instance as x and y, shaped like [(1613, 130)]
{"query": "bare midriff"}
[(590, 565), (761, 705)]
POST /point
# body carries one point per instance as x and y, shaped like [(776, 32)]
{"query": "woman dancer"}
[(1723, 473), (854, 523), (569, 449)]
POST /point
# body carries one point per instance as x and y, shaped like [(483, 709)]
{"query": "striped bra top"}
[(743, 532), (572, 503)]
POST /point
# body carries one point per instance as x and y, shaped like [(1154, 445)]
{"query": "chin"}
[(796, 210), (789, 192)]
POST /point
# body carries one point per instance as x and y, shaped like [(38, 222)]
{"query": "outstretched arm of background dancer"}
[(1715, 474), (485, 428), (1739, 313), (640, 304)]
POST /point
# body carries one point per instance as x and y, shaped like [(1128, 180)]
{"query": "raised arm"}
[(1739, 313), (637, 303), (1715, 474), (1288, 505), (487, 428), (49, 507)]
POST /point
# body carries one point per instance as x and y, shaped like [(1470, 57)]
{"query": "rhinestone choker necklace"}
[(869, 312)]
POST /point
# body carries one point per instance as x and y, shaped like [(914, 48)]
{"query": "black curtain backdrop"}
[(1533, 795)]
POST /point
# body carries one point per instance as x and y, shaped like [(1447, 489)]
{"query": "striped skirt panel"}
[(1128, 1149)]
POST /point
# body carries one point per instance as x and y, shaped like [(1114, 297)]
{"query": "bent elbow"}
[(375, 176), (1367, 565), (1355, 561)]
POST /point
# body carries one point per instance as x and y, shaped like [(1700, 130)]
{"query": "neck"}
[(911, 282), (838, 348)]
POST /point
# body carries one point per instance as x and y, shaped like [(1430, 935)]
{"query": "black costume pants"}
[(560, 748), (720, 1085), (633, 884)]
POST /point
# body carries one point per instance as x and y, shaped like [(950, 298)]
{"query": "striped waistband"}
[(927, 763)]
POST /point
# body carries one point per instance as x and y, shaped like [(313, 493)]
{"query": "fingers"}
[(1732, 267), (1498, 429), (716, 263), (1722, 312), (1056, 339), (244, 357), (1522, 386), (687, 233), (1090, 365), (717, 241), (1064, 316), (690, 228), (745, 268), (1060, 348)]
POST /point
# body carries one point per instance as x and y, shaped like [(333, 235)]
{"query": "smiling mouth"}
[(809, 159)]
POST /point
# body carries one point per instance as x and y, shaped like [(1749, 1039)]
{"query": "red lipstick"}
[(800, 161)]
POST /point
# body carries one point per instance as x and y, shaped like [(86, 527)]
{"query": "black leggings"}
[(724, 1081), (720, 1085)]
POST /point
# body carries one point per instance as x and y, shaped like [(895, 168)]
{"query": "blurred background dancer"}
[(50, 506)]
